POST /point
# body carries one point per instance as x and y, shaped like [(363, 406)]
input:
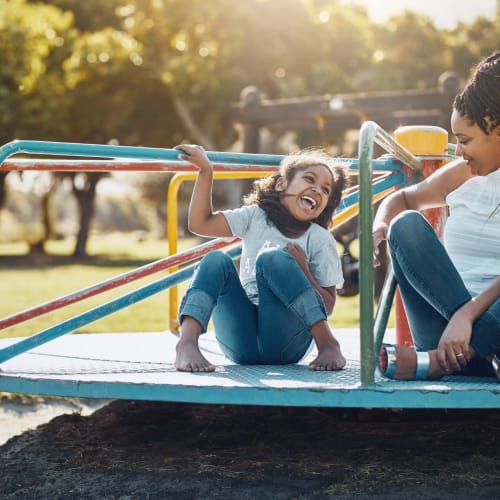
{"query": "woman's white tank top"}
[(472, 231)]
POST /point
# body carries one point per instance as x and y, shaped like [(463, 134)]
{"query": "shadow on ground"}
[(152, 450)]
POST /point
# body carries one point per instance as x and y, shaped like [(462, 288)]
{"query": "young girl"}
[(289, 267), (451, 292)]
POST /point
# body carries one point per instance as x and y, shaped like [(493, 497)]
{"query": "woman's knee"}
[(407, 224)]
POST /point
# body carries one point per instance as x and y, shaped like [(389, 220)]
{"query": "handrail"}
[(120, 280), (370, 133), (100, 311), (172, 222), (128, 152), (174, 166), (167, 160), (386, 141)]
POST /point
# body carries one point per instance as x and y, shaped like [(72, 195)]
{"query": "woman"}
[(451, 290)]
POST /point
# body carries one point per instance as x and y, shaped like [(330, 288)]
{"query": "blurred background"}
[(161, 72)]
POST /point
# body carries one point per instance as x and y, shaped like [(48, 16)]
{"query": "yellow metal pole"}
[(172, 225)]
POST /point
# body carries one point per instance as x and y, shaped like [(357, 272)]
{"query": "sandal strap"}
[(423, 363), (390, 351)]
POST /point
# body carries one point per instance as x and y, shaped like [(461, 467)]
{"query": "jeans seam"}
[(441, 309)]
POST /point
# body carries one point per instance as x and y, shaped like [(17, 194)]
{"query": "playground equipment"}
[(138, 366)]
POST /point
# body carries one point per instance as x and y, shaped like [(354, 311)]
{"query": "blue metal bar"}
[(129, 152), (396, 179), (107, 151), (384, 163)]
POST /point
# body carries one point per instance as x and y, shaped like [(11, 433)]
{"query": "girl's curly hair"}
[(265, 195), (479, 101)]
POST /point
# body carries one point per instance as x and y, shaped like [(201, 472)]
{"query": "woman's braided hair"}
[(479, 101)]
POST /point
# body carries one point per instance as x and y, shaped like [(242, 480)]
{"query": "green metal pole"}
[(384, 309), (365, 154)]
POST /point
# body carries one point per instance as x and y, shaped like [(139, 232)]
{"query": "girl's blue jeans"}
[(274, 332), (432, 290)]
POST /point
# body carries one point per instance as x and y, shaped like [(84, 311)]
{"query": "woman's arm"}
[(201, 219), (429, 193)]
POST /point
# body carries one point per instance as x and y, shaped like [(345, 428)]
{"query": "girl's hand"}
[(195, 155), (328, 294), (298, 254)]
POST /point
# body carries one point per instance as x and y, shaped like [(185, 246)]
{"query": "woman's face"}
[(481, 151), (307, 194)]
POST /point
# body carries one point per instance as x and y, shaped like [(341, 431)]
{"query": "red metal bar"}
[(121, 166)]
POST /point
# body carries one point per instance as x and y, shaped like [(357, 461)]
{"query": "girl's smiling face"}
[(307, 194), (481, 151)]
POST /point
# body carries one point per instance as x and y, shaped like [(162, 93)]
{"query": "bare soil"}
[(154, 450)]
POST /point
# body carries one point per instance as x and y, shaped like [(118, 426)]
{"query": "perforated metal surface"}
[(140, 366)]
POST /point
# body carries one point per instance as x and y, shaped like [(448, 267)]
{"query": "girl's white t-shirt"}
[(250, 223)]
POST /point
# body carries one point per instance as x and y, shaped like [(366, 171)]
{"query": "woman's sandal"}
[(420, 369)]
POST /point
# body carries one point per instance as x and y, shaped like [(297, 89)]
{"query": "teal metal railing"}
[(167, 160)]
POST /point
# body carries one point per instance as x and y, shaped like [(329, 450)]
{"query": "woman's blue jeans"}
[(274, 332), (432, 290)]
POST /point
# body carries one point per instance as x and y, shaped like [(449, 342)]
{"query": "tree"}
[(409, 52), (34, 40), (67, 80), (157, 72), (206, 52)]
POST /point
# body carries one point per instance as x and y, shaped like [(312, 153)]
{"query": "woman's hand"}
[(379, 235), (195, 155), (454, 350)]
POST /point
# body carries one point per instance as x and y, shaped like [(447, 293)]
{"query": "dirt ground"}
[(151, 450)]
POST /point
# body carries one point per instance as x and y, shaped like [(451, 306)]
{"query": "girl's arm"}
[(201, 219), (329, 294)]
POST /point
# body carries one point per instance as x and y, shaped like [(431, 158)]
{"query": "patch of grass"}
[(27, 282)]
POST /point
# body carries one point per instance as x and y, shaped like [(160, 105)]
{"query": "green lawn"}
[(25, 284)]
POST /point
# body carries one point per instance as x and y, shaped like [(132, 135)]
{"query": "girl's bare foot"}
[(329, 358), (190, 359)]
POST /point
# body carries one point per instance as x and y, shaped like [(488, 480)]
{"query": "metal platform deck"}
[(140, 366)]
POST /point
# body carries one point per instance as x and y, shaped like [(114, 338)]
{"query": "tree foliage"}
[(157, 72)]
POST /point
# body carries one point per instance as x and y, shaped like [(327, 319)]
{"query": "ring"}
[(459, 355)]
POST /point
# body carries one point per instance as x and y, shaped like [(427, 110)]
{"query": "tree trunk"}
[(188, 121), (3, 193), (85, 196)]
